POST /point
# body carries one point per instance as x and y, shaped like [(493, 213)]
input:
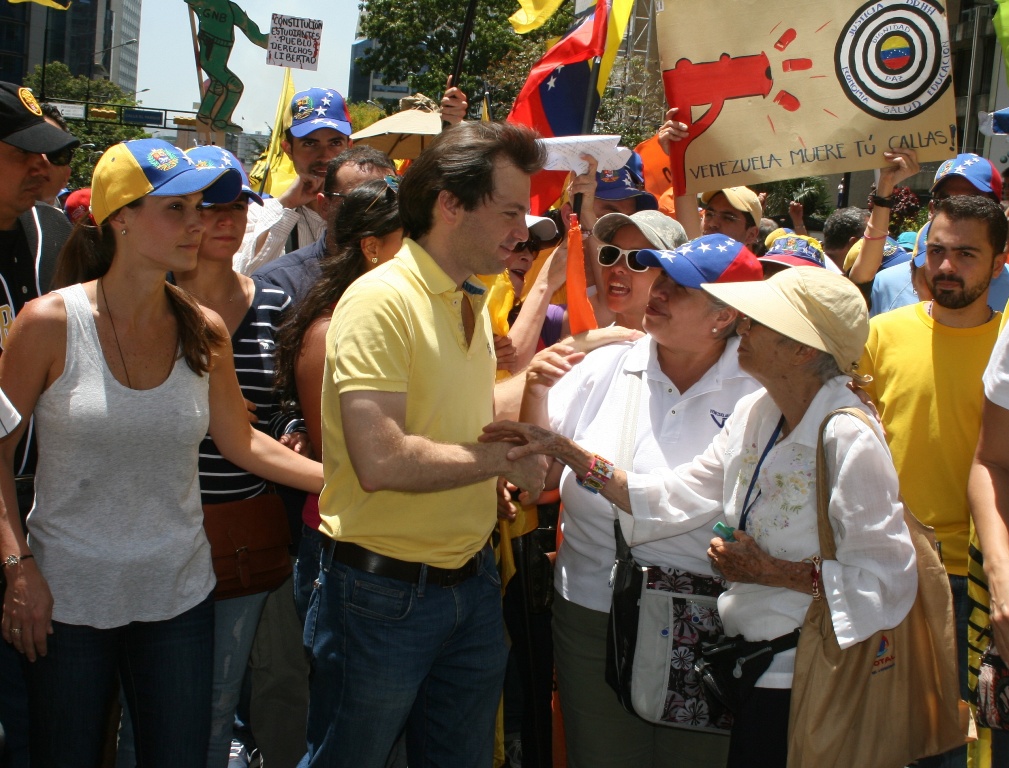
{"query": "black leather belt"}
[(371, 562)]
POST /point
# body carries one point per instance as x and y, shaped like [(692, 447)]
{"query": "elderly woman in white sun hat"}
[(802, 332)]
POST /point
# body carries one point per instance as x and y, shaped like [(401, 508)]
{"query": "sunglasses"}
[(533, 246), (61, 158), (608, 255), (389, 193)]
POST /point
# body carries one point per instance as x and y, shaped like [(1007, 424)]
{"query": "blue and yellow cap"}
[(134, 169)]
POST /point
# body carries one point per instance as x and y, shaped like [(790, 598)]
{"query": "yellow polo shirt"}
[(927, 387), (399, 328)]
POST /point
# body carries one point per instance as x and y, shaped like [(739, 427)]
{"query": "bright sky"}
[(168, 67)]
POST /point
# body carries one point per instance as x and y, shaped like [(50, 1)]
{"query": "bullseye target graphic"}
[(893, 57)]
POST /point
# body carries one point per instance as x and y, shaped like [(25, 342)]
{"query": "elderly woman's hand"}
[(743, 561), (740, 560), (529, 439)]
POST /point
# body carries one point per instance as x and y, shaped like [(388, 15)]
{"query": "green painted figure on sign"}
[(218, 20)]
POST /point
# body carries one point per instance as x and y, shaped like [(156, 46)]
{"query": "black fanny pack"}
[(731, 666)]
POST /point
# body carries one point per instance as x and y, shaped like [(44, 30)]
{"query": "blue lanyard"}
[(747, 505)]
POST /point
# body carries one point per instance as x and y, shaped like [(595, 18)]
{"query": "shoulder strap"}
[(625, 451), (828, 549)]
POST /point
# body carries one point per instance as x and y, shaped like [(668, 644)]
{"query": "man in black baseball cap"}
[(30, 239)]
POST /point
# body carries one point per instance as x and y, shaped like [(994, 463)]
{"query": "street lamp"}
[(91, 64)]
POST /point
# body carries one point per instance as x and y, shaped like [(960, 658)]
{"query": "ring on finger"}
[(16, 630)]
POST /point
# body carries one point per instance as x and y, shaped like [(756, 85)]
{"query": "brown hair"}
[(87, 255), (461, 161), (369, 210)]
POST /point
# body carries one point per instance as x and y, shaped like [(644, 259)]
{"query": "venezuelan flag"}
[(895, 52)]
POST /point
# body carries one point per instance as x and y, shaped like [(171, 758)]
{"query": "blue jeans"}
[(235, 622), (166, 670), (234, 631), (306, 568), (389, 655)]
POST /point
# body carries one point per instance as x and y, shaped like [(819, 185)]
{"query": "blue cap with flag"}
[(132, 169), (920, 250), (319, 108), (217, 157), (707, 259), (625, 183)]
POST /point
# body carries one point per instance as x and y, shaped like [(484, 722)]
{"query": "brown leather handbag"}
[(249, 543)]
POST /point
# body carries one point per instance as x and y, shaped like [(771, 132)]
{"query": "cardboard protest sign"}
[(294, 42), (803, 87)]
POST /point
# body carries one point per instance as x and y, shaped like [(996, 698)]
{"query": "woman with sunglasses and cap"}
[(684, 377), (801, 337), (625, 280), (124, 374)]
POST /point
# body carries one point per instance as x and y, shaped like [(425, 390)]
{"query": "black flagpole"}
[(460, 56)]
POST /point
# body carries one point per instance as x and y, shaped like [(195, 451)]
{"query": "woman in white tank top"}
[(124, 374)]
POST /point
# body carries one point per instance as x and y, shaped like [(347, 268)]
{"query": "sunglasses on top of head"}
[(608, 255)]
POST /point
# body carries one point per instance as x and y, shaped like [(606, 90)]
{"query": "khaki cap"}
[(814, 307), (742, 199)]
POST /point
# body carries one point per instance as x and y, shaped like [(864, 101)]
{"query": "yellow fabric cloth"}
[(533, 14), (275, 164), (927, 387), (399, 329)]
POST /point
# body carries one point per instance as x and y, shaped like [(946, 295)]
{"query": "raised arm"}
[(903, 165), (686, 205)]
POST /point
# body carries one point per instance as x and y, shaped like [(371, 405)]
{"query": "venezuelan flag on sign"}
[(556, 94), (59, 5)]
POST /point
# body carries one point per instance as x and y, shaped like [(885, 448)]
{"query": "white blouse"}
[(873, 582), (589, 406)]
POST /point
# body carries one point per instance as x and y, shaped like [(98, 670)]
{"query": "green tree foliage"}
[(63, 86), (811, 191), (634, 104), (417, 42), (363, 114)]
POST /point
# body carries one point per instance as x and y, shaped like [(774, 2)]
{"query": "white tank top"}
[(117, 526)]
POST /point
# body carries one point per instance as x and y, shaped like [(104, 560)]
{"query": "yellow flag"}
[(276, 166), (533, 14), (57, 4), (620, 14)]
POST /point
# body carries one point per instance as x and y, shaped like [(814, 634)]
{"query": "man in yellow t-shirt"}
[(405, 622), (926, 361)]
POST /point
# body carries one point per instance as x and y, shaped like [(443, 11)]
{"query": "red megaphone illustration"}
[(711, 82)]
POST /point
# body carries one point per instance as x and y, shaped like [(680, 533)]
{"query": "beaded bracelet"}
[(599, 473), (814, 572)]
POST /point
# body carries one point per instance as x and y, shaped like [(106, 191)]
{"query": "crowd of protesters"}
[(383, 361)]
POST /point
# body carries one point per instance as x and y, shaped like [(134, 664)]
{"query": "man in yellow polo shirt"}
[(927, 360), (405, 622)]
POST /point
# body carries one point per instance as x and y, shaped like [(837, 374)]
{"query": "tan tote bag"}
[(888, 700)]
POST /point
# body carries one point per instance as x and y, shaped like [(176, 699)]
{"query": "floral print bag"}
[(659, 618)]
